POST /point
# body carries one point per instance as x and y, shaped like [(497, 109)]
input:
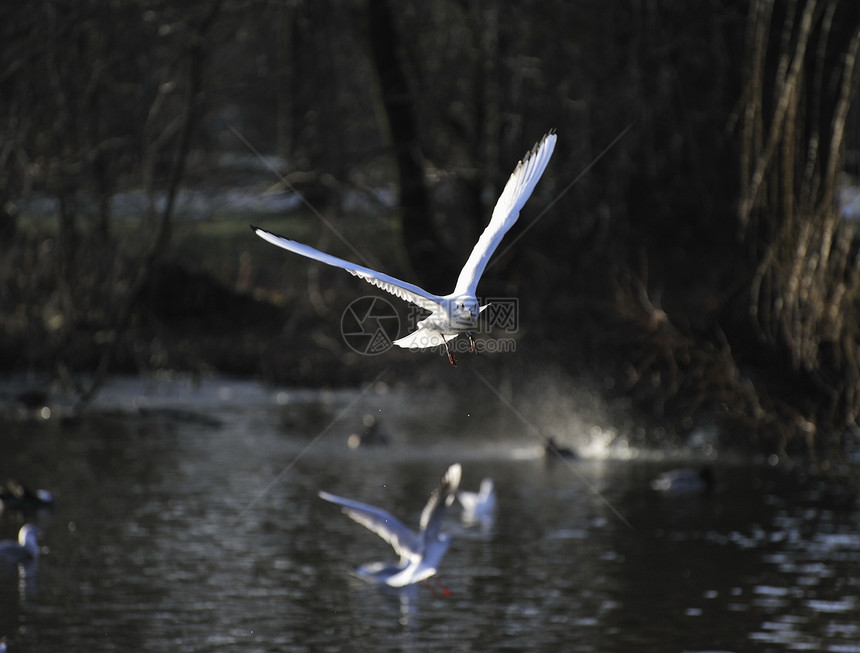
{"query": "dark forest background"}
[(700, 267)]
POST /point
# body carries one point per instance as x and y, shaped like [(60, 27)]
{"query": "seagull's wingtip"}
[(331, 498), (453, 475), (545, 144)]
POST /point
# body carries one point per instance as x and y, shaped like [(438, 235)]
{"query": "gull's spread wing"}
[(406, 543), (517, 191), (407, 291), (431, 516)]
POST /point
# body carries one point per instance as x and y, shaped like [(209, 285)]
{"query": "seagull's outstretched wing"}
[(407, 291), (406, 543), (517, 191), (431, 516)]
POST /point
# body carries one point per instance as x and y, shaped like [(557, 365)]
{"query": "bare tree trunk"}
[(418, 235)]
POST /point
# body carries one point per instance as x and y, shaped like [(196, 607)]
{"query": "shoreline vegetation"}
[(700, 270), (220, 303)]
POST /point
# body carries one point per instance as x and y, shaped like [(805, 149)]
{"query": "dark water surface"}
[(187, 520)]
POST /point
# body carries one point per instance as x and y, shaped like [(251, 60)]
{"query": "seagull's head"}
[(464, 311)]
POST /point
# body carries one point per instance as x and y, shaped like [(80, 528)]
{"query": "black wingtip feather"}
[(533, 152)]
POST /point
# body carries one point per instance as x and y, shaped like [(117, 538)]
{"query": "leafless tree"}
[(801, 77)]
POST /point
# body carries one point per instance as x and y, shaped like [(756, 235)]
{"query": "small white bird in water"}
[(420, 553), (478, 506), (25, 550), (457, 312)]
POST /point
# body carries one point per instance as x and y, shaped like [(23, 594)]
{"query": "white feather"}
[(517, 191)]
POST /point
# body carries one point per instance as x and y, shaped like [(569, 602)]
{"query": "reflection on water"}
[(187, 520)]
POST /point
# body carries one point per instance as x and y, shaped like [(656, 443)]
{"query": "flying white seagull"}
[(457, 312), (420, 553)]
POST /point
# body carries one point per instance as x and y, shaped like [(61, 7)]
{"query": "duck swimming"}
[(685, 480), (19, 497), (25, 550)]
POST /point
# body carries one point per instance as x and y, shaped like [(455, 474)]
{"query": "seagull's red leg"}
[(451, 358), (428, 583), (445, 591), (472, 342)]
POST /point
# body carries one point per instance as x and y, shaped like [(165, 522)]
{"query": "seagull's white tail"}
[(423, 339)]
